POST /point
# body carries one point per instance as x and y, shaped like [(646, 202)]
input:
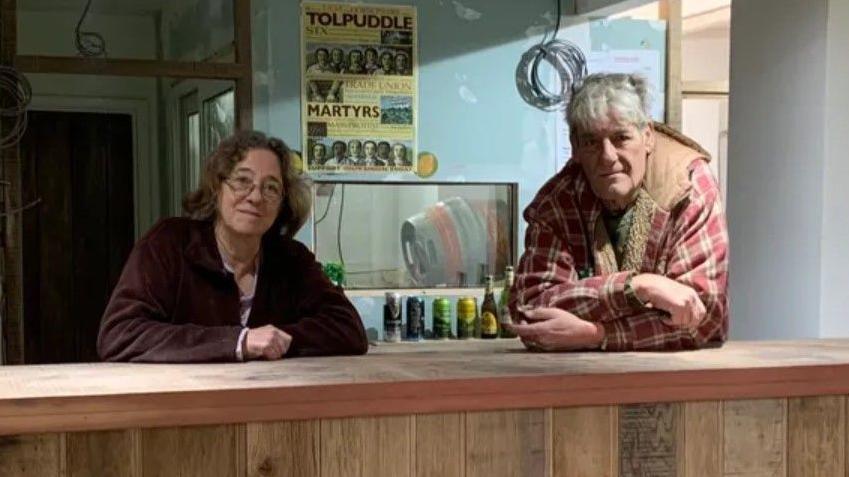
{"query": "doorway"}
[(79, 167)]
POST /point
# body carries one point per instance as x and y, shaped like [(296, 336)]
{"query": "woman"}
[(230, 283)]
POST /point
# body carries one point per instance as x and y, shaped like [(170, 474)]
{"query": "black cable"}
[(16, 93), (339, 227), (564, 56), (327, 209), (88, 43)]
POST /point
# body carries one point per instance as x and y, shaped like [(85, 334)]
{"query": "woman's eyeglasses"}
[(242, 186)]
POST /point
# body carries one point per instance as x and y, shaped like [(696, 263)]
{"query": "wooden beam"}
[(130, 67), (603, 8), (13, 325), (244, 84), (670, 10), (704, 88)]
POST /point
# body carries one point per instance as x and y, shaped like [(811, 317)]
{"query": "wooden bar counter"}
[(438, 409)]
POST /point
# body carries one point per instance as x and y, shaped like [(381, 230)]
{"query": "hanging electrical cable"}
[(15, 95), (88, 43), (565, 57)]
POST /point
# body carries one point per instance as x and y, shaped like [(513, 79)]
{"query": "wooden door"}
[(76, 240)]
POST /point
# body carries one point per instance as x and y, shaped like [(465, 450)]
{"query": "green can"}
[(441, 319), (467, 312)]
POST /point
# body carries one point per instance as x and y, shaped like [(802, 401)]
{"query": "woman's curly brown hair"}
[(202, 204)]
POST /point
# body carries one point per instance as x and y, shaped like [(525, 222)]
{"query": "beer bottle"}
[(489, 312), (503, 301)]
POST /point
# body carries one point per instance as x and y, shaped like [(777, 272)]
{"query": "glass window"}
[(401, 235), (193, 124), (219, 120)]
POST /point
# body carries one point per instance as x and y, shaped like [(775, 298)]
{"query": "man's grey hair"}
[(600, 96)]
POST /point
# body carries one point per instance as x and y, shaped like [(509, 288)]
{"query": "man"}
[(399, 155), (322, 62), (387, 64), (383, 150), (355, 63), (340, 156), (355, 150), (370, 65), (319, 154), (370, 155), (402, 64), (337, 60), (626, 247)]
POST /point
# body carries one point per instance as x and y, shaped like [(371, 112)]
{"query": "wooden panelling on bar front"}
[(33, 455), (191, 451), (702, 447), (106, 452), (758, 438), (366, 447), (755, 438), (439, 445), (507, 443), (816, 436), (648, 438), (283, 449), (585, 442)]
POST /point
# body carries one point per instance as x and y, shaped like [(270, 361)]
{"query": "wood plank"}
[(283, 449), (51, 335), (648, 439), (12, 331), (755, 437), (585, 442), (190, 451), (129, 67), (702, 450), (34, 455), (460, 377), (103, 453), (438, 445), (816, 436), (366, 446), (244, 84), (670, 10), (506, 443)]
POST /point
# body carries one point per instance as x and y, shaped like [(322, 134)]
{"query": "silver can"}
[(392, 318)]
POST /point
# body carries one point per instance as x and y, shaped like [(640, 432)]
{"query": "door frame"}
[(178, 166), (145, 140)]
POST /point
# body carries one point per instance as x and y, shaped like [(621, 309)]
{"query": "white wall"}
[(127, 36), (705, 55), (834, 319), (776, 166)]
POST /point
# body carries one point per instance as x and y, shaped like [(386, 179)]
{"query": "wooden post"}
[(670, 10), (12, 290), (244, 84)]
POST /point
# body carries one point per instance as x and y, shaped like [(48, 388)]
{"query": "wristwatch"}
[(631, 294)]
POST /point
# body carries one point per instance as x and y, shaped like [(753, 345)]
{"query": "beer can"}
[(441, 318), (415, 318), (392, 318), (467, 312)]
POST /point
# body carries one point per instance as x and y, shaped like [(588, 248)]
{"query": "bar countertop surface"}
[(407, 378)]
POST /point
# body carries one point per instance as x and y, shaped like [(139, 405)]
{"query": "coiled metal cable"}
[(564, 56), (88, 43), (15, 95)]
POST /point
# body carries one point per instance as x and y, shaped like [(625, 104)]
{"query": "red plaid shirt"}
[(688, 244)]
